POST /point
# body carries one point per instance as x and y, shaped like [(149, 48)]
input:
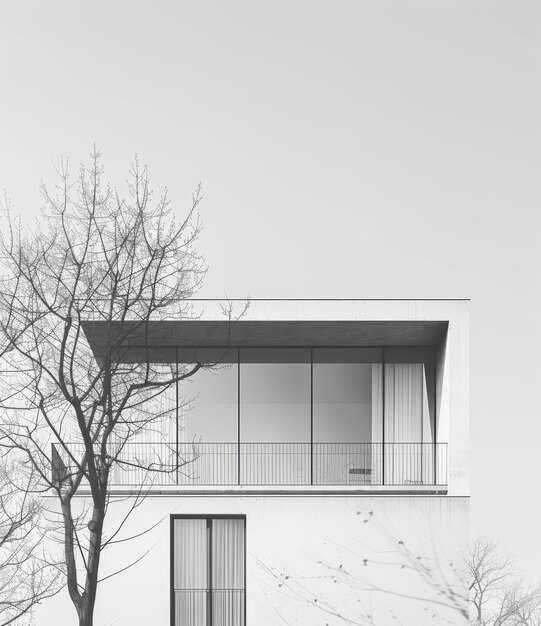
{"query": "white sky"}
[(347, 149)]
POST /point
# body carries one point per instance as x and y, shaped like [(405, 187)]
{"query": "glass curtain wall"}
[(143, 440), (289, 416), (275, 415), (347, 407), (208, 417)]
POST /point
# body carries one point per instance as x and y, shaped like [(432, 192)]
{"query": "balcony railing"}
[(276, 464), (195, 607)]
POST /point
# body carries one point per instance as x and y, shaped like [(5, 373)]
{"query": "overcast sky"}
[(347, 149)]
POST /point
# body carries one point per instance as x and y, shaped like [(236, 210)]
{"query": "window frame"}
[(206, 516)]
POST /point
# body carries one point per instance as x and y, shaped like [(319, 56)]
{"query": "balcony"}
[(276, 464), (322, 417)]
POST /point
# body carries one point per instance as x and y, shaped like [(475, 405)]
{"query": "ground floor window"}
[(208, 580)]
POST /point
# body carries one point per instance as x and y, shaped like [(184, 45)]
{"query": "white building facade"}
[(322, 473)]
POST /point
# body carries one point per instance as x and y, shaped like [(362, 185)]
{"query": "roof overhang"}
[(167, 334)]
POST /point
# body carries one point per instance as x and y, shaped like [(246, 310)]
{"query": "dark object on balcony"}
[(360, 470)]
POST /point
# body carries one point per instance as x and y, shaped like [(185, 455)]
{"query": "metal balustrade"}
[(271, 464), (197, 607)]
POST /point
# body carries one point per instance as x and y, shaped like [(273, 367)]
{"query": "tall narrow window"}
[(208, 571)]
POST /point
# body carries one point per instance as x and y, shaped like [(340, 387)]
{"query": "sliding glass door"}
[(274, 415), (347, 406), (208, 571)]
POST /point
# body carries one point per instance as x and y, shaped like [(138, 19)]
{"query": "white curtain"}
[(191, 554), (407, 425), (404, 402), (190, 571), (228, 554), (377, 423), (227, 572), (401, 418), (193, 538)]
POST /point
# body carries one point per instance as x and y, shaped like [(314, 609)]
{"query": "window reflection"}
[(275, 395), (208, 400), (347, 392), (347, 395)]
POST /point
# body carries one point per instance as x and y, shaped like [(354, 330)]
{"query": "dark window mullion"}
[(177, 422), (244, 576), (383, 409), (209, 572), (238, 419), (311, 416)]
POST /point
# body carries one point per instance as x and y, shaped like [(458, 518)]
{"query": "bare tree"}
[(27, 576), (499, 595), (343, 587), (124, 262)]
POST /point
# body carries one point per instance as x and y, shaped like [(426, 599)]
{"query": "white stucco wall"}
[(313, 541)]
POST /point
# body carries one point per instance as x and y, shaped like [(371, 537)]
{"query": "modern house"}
[(322, 454)]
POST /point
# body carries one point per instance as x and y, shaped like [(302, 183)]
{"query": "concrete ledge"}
[(174, 490)]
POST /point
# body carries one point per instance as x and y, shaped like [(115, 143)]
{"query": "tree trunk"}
[(84, 602), (86, 615), (69, 555)]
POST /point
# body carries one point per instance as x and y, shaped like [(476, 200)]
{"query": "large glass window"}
[(208, 400), (143, 440), (275, 395), (295, 395), (347, 391), (347, 394), (149, 416), (269, 416)]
